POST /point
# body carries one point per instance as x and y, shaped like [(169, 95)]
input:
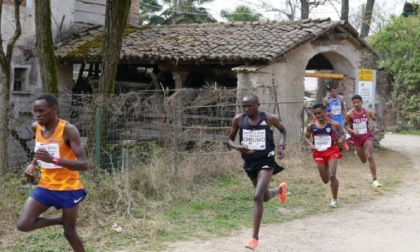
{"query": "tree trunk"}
[(345, 10), (367, 18), (4, 124), (304, 11), (45, 47), (5, 63), (115, 22)]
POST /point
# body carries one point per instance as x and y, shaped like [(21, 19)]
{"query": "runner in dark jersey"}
[(258, 151), (320, 135), (357, 124)]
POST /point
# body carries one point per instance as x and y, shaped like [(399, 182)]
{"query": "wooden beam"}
[(325, 75)]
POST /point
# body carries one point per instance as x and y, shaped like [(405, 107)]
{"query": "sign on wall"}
[(366, 87)]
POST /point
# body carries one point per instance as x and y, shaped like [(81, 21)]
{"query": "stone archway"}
[(280, 85)]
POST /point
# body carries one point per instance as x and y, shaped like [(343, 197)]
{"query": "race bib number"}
[(361, 127), (253, 139), (53, 149), (322, 142), (336, 110)]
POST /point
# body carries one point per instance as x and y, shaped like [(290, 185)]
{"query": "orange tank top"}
[(55, 177)]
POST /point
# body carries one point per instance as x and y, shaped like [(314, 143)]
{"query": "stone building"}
[(268, 58)]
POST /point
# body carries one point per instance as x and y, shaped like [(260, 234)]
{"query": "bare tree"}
[(115, 22), (290, 7), (304, 9), (367, 18), (344, 10), (45, 47), (5, 62)]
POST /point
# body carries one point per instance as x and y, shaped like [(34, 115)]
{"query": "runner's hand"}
[(29, 172), (281, 154), (244, 150), (43, 155)]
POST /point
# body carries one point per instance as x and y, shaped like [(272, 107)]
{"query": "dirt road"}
[(388, 224)]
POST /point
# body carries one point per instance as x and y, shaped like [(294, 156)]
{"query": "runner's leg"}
[(332, 170), (70, 232), (29, 219), (368, 149), (260, 184)]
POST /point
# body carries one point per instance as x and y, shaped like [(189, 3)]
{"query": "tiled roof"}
[(226, 43)]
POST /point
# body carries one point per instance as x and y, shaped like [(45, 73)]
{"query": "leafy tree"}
[(398, 44), (241, 13), (148, 12), (186, 12), (5, 63), (45, 45)]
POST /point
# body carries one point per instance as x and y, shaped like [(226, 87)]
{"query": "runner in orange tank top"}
[(60, 157)]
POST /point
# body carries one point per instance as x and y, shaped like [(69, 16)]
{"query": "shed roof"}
[(209, 43)]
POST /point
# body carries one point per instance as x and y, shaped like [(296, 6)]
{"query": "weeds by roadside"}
[(208, 195)]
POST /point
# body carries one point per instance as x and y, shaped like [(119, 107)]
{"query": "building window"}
[(20, 82)]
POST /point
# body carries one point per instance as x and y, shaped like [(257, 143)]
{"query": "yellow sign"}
[(366, 74)]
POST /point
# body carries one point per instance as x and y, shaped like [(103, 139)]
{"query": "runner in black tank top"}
[(258, 152), (258, 137)]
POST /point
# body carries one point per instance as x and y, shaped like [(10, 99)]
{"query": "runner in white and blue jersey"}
[(336, 107)]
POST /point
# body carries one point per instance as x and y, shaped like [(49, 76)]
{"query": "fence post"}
[(98, 139), (176, 127)]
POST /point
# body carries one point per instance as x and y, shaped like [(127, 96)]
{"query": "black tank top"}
[(258, 137)]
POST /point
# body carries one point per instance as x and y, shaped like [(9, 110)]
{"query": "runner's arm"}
[(373, 118), (325, 102), (72, 138), (347, 120), (343, 104), (232, 135), (308, 138), (273, 120)]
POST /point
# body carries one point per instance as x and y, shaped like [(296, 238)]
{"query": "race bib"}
[(322, 142), (53, 149), (336, 110), (253, 139), (361, 127)]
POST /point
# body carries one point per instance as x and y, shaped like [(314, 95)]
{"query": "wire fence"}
[(123, 131)]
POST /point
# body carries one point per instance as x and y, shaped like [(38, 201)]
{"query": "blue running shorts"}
[(58, 199)]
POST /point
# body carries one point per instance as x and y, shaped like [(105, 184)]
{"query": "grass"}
[(211, 198), (410, 132)]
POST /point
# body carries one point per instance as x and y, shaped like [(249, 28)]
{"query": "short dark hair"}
[(356, 97), (319, 105), (332, 86), (252, 97), (50, 99)]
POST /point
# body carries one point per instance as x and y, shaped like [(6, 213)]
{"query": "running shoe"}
[(376, 183), (283, 194), (252, 244), (332, 205), (346, 145)]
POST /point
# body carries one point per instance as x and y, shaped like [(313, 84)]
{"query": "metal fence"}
[(123, 131)]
